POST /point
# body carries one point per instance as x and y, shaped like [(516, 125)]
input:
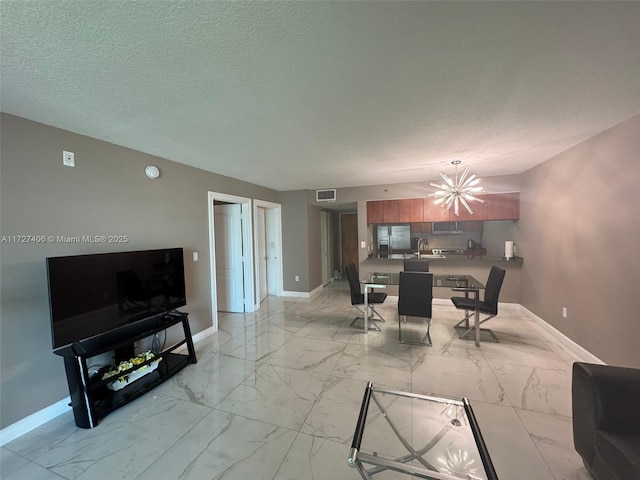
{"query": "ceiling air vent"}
[(326, 195)]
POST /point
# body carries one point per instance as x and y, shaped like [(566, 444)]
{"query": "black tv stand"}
[(91, 398)]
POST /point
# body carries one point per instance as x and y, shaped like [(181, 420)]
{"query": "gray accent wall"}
[(295, 244), (579, 232), (315, 248), (107, 193), (301, 242)]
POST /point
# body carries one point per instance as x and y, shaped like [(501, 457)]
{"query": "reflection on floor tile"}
[(314, 458), (226, 446), (276, 394)]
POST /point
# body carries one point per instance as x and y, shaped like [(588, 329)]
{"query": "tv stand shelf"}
[(91, 398)]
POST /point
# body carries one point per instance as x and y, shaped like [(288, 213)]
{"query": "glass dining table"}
[(466, 284)]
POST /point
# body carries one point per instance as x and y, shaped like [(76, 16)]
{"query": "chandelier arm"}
[(470, 180), (447, 179), (449, 201), (462, 177), (466, 205)]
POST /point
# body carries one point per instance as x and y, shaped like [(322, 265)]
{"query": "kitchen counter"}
[(449, 260)]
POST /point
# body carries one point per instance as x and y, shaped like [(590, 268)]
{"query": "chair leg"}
[(467, 329), (372, 313), (467, 315), (371, 324), (426, 341), (375, 313)]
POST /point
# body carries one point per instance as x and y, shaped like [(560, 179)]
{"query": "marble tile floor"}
[(275, 395)]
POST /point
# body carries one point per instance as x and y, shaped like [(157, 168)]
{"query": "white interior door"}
[(261, 236), (229, 257)]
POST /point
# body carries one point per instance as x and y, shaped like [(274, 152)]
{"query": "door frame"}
[(326, 251), (273, 222), (247, 238)]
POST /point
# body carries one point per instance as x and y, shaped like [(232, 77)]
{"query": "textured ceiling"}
[(294, 95)]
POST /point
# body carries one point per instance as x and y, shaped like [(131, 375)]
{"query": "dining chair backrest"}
[(492, 290), (354, 284), (415, 294), (416, 265)]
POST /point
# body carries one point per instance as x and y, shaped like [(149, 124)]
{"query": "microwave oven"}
[(446, 228)]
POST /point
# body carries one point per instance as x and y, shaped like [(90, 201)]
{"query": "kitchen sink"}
[(401, 256)]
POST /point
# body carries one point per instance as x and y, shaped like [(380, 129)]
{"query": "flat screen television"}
[(93, 294)]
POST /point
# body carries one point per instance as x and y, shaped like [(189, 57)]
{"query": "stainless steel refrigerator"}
[(393, 239)]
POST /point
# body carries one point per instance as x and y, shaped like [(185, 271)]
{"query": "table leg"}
[(366, 309), (476, 321)]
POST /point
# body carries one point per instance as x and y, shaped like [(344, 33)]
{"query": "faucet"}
[(421, 241)]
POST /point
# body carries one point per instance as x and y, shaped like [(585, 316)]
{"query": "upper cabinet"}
[(497, 206), (410, 210), (375, 211), (478, 209), (391, 213), (433, 213), (502, 206)]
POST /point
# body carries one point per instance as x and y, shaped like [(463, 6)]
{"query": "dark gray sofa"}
[(606, 420)]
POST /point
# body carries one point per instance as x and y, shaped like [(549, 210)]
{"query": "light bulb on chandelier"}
[(458, 191)]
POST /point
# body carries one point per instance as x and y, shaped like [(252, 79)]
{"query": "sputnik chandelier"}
[(455, 192)]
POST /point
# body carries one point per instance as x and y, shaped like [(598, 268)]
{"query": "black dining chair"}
[(488, 306), (357, 298), (415, 298), (416, 265)]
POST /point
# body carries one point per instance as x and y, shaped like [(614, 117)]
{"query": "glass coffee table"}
[(402, 434)]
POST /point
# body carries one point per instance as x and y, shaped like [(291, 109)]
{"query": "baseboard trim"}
[(10, 433), (288, 293), (315, 291), (207, 332), (578, 350), (198, 337)]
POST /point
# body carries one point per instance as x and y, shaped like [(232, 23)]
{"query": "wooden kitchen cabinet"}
[(383, 211), (464, 216), (410, 210), (375, 211), (433, 213), (391, 211), (502, 206), (496, 206)]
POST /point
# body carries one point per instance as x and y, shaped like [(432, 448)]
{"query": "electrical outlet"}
[(68, 159), (363, 244), (297, 278), (195, 256), (564, 312)]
